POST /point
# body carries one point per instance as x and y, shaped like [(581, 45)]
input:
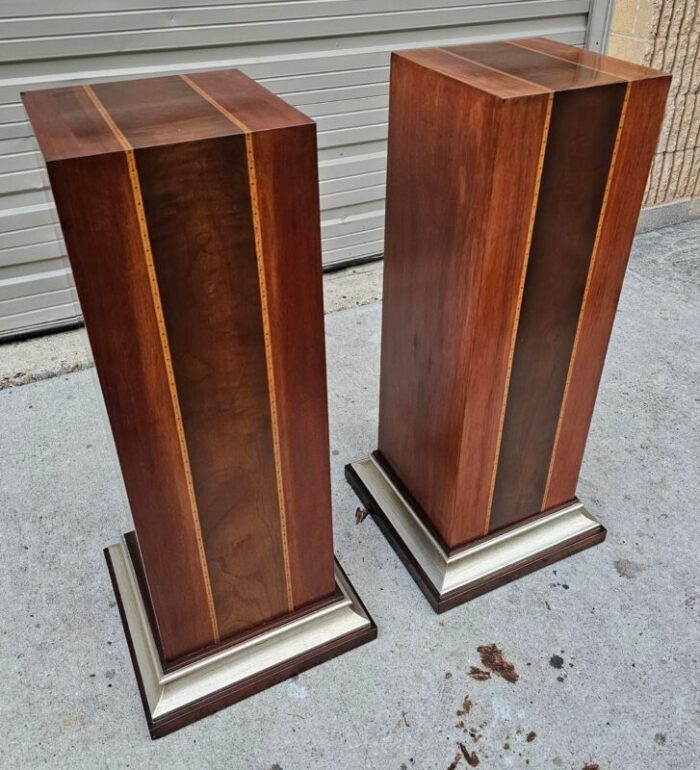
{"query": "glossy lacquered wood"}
[(515, 175), (445, 167), (189, 206)]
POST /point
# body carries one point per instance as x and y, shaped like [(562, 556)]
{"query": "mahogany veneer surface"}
[(189, 206), (516, 172)]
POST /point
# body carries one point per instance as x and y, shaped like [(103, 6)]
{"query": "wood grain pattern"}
[(439, 416), (291, 242), (533, 66), (254, 198), (204, 250), (485, 401), (289, 223), (193, 232), (581, 140), (108, 261), (167, 355), (644, 116), (582, 57)]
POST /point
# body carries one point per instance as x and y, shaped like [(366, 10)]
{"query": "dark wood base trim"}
[(446, 601), (244, 688)]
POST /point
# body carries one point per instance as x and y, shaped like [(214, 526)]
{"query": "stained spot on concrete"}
[(556, 661), (360, 515), (455, 761), (70, 721), (276, 767), (335, 453), (110, 674), (448, 675), (470, 757), (558, 762), (660, 738), (493, 659), (466, 707), (531, 736), (628, 569), (591, 766), (506, 746), (478, 674), (297, 691)]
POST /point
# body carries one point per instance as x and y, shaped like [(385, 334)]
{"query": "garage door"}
[(330, 58)]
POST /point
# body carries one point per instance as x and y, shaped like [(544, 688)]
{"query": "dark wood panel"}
[(582, 57), (198, 209), (109, 267), (452, 280), (288, 206), (448, 62), (579, 149), (80, 132), (246, 101), (161, 111), (638, 137), (534, 67)]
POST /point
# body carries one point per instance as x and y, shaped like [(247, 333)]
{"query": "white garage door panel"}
[(328, 57), (29, 236), (52, 315), (88, 33)]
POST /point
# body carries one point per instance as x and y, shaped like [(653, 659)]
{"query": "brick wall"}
[(666, 34)]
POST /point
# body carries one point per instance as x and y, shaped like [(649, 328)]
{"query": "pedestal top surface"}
[(82, 120), (527, 66)]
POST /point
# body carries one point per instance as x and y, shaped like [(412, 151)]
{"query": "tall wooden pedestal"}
[(516, 174), (189, 207)]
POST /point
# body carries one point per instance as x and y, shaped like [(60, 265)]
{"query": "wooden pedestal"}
[(515, 176), (189, 207)]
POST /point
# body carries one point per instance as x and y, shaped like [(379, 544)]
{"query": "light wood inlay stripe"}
[(582, 312), (525, 47), (160, 321), (503, 73), (516, 320), (262, 282)]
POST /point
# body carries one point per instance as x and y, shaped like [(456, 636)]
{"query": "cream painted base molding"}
[(448, 579), (193, 690)]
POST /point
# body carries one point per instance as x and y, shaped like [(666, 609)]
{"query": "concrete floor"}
[(606, 643)]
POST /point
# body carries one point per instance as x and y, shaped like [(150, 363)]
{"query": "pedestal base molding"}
[(178, 697), (451, 578)]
